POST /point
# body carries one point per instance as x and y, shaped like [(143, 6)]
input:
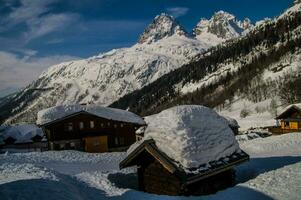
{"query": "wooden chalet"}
[(159, 174), (90, 128), (289, 120)]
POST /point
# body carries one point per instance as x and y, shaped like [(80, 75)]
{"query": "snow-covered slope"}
[(238, 77), (103, 79), (221, 27)]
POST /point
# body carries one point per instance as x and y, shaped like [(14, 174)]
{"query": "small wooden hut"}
[(159, 174), (185, 150), (89, 128)]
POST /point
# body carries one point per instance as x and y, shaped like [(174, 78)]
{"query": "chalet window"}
[(81, 125), (62, 146), (72, 144), (286, 123), (108, 123), (102, 125), (116, 141), (91, 124), (70, 126), (115, 125), (121, 125)]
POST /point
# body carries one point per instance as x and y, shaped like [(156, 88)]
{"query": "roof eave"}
[(199, 177), (280, 116), (151, 148), (84, 112)]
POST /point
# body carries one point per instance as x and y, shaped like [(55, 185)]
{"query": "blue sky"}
[(37, 33)]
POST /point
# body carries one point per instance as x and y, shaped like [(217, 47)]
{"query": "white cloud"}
[(49, 23), (177, 11), (35, 14), (29, 9), (16, 72)]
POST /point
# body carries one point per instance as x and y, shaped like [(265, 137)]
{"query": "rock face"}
[(162, 26)]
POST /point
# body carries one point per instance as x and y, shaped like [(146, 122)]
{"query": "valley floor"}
[(273, 172)]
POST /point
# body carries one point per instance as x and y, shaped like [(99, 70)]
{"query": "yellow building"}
[(290, 119)]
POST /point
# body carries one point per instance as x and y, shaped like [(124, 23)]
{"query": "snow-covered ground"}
[(273, 172)]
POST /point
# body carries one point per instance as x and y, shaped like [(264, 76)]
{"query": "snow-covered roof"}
[(22, 133), (58, 112), (297, 106), (191, 135)]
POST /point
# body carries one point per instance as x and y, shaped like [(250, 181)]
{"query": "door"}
[(97, 144)]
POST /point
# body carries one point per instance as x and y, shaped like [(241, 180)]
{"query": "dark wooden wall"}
[(154, 178), (212, 184), (125, 132)]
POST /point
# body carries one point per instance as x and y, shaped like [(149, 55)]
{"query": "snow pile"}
[(57, 112), (10, 172), (191, 135), (22, 133), (246, 137)]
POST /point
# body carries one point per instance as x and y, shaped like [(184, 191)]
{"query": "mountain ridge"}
[(105, 78)]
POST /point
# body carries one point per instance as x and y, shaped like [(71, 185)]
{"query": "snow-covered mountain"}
[(163, 26), (249, 78), (163, 47), (221, 27)]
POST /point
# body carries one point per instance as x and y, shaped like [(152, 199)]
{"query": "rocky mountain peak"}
[(162, 26), (223, 25)]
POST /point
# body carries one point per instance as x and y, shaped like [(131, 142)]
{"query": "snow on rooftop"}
[(191, 135), (22, 133), (57, 112), (288, 107)]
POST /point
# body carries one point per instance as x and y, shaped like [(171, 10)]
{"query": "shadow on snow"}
[(71, 188), (257, 166)]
